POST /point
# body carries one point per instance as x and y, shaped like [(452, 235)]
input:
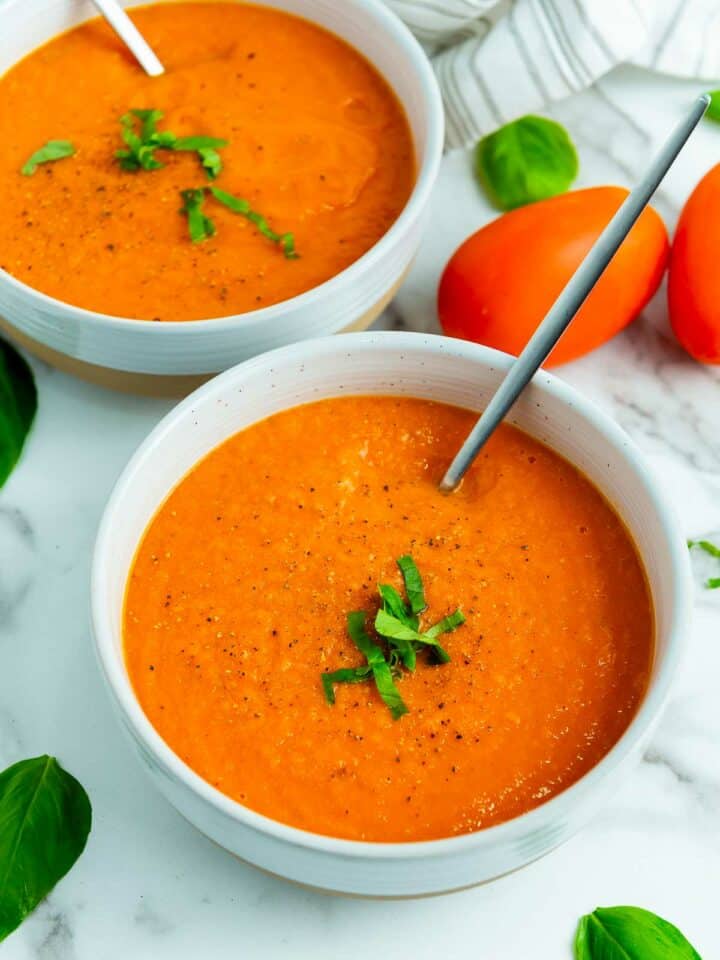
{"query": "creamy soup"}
[(316, 143), (238, 597)]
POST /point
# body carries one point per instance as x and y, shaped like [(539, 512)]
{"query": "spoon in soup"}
[(571, 298), (131, 36)]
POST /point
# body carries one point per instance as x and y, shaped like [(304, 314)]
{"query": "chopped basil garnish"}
[(207, 151), (413, 584), (53, 150), (286, 241), (346, 675), (142, 143), (200, 226), (377, 663), (397, 623)]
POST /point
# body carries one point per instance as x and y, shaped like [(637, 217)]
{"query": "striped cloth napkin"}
[(499, 59)]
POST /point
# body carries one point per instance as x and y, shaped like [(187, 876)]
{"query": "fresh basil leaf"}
[(207, 151), (630, 933), (393, 603), (211, 162), (199, 143), (200, 227), (527, 160), (393, 628), (713, 111), (52, 150), (148, 122), (18, 405), (45, 819), (345, 675), (451, 622), (240, 206), (141, 147), (413, 584), (140, 152), (399, 633), (713, 583), (377, 662)]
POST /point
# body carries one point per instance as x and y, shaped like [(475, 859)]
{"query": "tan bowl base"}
[(152, 384)]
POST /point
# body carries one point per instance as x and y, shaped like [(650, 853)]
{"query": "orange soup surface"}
[(317, 143), (238, 597)]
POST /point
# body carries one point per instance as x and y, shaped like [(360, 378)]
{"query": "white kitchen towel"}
[(499, 59)]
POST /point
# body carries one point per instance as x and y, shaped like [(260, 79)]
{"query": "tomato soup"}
[(237, 602), (316, 143)]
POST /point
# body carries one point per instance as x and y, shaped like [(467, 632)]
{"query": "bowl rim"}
[(551, 810), (428, 166)]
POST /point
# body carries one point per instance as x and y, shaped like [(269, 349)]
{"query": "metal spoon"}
[(131, 36), (571, 299)]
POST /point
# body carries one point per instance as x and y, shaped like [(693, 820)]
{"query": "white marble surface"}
[(149, 887)]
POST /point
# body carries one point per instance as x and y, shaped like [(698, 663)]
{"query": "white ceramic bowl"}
[(386, 363), (351, 299)]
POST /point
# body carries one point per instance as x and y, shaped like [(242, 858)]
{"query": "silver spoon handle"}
[(571, 299), (131, 36)]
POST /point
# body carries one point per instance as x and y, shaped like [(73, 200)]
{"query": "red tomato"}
[(694, 281), (501, 281)]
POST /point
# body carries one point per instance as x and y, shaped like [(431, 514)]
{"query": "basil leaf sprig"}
[(527, 160), (207, 151), (18, 405), (142, 139), (630, 933), (201, 226), (377, 668), (45, 819), (52, 150), (713, 583), (398, 624), (381, 671), (713, 111), (285, 241)]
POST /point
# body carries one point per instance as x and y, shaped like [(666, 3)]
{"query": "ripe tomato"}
[(501, 281), (694, 284)]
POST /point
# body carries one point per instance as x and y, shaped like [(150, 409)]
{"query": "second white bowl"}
[(455, 372), (89, 343)]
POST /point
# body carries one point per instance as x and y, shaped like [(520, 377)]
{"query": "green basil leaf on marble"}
[(18, 404), (45, 819), (630, 933), (527, 160), (713, 111)]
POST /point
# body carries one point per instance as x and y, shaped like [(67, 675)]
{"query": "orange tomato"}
[(501, 281), (694, 284)]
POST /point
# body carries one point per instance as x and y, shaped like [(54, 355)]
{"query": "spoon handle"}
[(572, 297), (131, 36)]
